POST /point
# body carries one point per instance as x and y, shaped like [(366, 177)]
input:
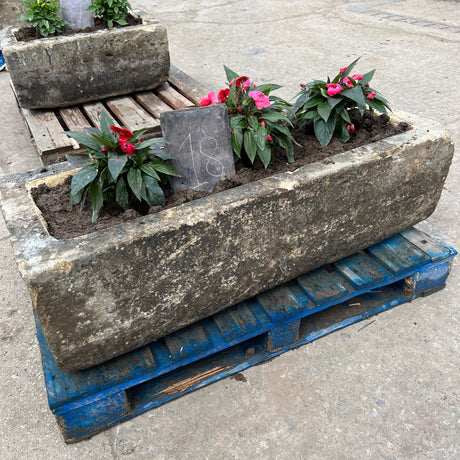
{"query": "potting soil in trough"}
[(27, 34), (67, 221)]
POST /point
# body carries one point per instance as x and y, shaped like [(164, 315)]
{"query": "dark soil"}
[(67, 221), (27, 34)]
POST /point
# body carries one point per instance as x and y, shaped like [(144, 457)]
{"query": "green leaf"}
[(261, 137), (121, 193), (367, 77), (345, 116), (356, 95), (324, 109), (237, 141), (135, 182), (275, 116), (250, 144), (268, 87), (163, 167), (83, 177), (116, 164), (253, 123), (324, 130), (237, 121), (149, 169), (97, 199), (286, 143), (154, 195), (230, 74), (333, 101), (350, 67), (84, 139), (106, 122), (265, 155), (376, 105)]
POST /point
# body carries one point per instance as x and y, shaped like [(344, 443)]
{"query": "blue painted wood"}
[(395, 271), (361, 271)]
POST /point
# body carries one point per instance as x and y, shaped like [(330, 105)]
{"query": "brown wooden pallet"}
[(133, 111)]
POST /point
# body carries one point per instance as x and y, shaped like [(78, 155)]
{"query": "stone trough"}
[(102, 294)]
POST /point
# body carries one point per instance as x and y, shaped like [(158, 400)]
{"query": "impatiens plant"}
[(43, 15), (258, 119), (327, 103), (111, 11), (121, 167)]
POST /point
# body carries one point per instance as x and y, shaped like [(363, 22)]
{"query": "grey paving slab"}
[(387, 390)]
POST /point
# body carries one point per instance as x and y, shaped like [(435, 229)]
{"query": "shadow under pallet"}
[(408, 265)]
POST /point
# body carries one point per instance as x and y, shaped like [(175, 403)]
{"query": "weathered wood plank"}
[(172, 97), (426, 243), (152, 103), (93, 110), (187, 85), (131, 115), (47, 132), (74, 118)]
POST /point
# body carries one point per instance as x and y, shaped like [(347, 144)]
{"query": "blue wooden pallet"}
[(408, 265)]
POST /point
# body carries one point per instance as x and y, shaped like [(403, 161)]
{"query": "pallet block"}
[(408, 265), (134, 111)]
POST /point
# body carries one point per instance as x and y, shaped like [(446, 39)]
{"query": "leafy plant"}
[(121, 167), (111, 11), (327, 103), (43, 15), (258, 120)]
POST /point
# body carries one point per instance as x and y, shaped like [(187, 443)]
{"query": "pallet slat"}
[(172, 97), (187, 86), (152, 103), (131, 115), (435, 249), (93, 110), (73, 118), (47, 131)]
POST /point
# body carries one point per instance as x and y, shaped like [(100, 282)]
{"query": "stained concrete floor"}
[(388, 390)]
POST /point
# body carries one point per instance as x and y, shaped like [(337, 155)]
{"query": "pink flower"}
[(371, 95), (343, 69), (262, 123), (260, 99), (333, 89), (222, 96), (357, 76), (348, 82), (105, 149), (128, 148), (269, 138), (351, 128), (209, 99)]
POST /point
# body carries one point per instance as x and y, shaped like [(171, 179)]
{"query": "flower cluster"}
[(121, 167), (44, 16), (258, 120), (328, 103)]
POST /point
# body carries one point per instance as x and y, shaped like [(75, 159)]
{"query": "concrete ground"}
[(388, 390)]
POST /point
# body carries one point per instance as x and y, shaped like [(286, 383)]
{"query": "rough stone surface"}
[(59, 71), (103, 294)]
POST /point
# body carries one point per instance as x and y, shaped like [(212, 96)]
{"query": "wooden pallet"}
[(135, 111), (401, 268)]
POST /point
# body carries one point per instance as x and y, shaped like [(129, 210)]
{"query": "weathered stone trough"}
[(66, 70), (105, 293)]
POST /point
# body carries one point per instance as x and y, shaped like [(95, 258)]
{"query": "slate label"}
[(199, 139)]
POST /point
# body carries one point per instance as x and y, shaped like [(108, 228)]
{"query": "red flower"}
[(222, 96), (343, 69), (333, 89), (303, 86), (128, 148), (357, 76), (122, 134), (351, 128), (269, 138), (209, 99), (371, 95), (348, 82), (242, 81), (105, 149), (262, 123)]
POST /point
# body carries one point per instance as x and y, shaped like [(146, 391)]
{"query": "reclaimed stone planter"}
[(105, 293), (67, 70)]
